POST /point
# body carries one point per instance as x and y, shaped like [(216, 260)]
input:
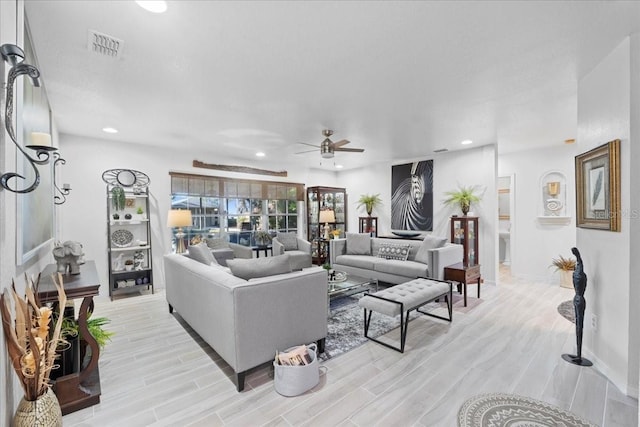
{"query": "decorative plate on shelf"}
[(340, 276), (121, 238)]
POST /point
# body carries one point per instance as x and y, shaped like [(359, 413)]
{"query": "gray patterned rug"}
[(346, 323), (567, 311), (501, 410)]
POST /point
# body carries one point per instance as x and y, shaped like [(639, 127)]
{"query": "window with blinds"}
[(234, 208)]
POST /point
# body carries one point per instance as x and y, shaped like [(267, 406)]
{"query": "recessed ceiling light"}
[(569, 141), (260, 154), (339, 166), (155, 6), (467, 142), (110, 130)]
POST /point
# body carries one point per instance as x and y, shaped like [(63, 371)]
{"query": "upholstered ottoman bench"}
[(401, 300)]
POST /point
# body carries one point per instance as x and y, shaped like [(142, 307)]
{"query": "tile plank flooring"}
[(157, 372)]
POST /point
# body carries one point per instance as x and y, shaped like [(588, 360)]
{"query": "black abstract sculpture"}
[(579, 304)]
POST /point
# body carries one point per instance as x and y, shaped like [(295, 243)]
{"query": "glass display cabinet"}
[(325, 198), (464, 231), (368, 224)]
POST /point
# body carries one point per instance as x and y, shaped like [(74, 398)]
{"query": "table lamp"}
[(327, 216), (179, 218)]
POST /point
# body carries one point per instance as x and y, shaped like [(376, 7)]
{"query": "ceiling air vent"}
[(440, 150), (105, 45)]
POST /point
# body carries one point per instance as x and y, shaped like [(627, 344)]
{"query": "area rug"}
[(502, 410), (567, 311), (346, 323)]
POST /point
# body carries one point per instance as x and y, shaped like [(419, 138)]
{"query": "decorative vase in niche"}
[(43, 412)]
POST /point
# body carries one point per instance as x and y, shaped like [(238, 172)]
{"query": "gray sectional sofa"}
[(246, 321), (382, 259)]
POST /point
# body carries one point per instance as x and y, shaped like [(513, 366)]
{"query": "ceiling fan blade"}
[(308, 151), (351, 150), (310, 145), (341, 143)]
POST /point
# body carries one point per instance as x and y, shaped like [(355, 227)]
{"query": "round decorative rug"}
[(567, 311), (510, 410)]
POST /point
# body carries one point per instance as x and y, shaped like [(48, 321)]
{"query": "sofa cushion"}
[(358, 261), (216, 243), (401, 268), (299, 259), (202, 253), (429, 243), (358, 243), (288, 240), (259, 267), (394, 251), (222, 255)]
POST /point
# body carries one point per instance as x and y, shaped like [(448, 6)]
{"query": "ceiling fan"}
[(328, 148)]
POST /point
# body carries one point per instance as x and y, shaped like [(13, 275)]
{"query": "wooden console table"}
[(463, 274), (81, 389)]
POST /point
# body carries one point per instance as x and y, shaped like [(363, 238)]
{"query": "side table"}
[(265, 248), (81, 389), (463, 274)]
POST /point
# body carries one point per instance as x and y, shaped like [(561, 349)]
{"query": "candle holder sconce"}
[(41, 143), (66, 188)]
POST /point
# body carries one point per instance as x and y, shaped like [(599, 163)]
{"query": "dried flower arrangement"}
[(30, 342), (562, 263)]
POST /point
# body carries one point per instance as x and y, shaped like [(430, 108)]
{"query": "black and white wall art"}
[(412, 196)]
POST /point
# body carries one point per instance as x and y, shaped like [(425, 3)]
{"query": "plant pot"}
[(566, 278), (44, 411), (128, 267)]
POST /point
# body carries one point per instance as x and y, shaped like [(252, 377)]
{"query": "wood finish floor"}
[(157, 372)]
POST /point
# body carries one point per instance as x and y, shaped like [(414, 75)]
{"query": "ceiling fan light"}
[(327, 154)]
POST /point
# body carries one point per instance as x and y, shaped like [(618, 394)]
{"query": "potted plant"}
[(369, 201), (32, 345), (262, 238), (565, 266), (128, 265), (118, 198), (140, 212), (463, 197)]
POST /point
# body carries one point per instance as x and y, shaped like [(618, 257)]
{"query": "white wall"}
[(549, 240), (465, 167), (11, 13), (83, 217), (604, 114)]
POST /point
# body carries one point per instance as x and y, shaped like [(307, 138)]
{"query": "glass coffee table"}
[(348, 284)]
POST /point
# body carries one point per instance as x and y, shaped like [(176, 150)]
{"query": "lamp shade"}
[(327, 216), (179, 218)]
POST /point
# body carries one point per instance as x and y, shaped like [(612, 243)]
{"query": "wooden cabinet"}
[(129, 240), (368, 224), (325, 198), (319, 251), (464, 231)]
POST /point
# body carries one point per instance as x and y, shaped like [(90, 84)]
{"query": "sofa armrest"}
[(449, 254), (336, 247), (277, 247), (304, 246), (240, 251)]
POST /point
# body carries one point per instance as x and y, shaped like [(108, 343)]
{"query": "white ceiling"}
[(225, 79)]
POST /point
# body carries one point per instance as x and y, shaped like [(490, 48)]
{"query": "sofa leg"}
[(321, 345), (240, 381), (170, 309)]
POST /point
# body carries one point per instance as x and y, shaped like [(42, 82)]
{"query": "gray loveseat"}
[(424, 259), (246, 321)]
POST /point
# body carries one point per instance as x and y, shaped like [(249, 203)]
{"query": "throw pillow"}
[(216, 243), (430, 242), (259, 267), (202, 253), (289, 240), (358, 243), (394, 251)]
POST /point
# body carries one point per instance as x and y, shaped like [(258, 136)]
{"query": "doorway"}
[(505, 224)]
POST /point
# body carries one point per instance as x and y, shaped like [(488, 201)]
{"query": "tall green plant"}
[(70, 328), (369, 201), (118, 198), (463, 197)]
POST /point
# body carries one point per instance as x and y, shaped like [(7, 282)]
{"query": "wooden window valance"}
[(218, 186)]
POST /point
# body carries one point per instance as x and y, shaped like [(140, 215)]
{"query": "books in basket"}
[(297, 356)]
